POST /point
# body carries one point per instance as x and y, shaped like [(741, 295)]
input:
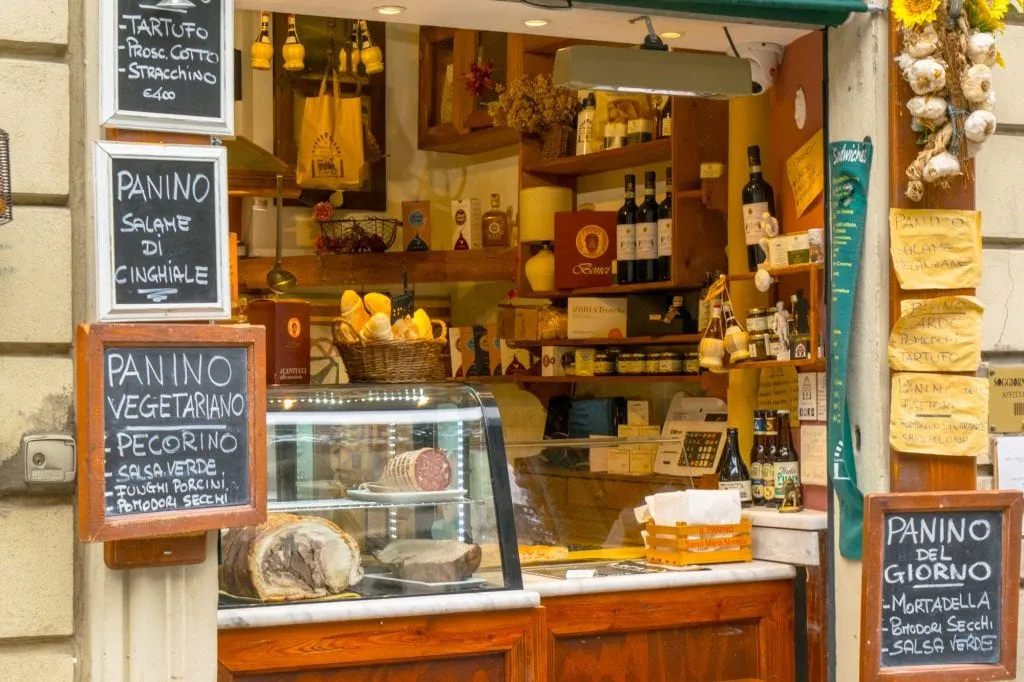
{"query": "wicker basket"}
[(558, 142), (392, 362)]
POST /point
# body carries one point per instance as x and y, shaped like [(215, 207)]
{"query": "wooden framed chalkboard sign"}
[(171, 429), (161, 232), (168, 67), (941, 577)]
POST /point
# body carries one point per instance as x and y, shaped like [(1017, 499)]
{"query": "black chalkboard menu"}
[(168, 67), (172, 428), (941, 578), (161, 232)]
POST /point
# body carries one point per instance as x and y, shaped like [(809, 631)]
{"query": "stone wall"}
[(37, 566)]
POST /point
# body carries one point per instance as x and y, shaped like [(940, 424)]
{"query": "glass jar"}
[(652, 363), (604, 364), (631, 363), (691, 363), (758, 347), (757, 320), (670, 363), (774, 345)]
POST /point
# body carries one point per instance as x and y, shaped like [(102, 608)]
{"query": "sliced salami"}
[(425, 470)]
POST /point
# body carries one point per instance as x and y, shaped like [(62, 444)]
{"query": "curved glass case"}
[(374, 491)]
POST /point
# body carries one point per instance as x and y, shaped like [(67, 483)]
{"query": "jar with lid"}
[(604, 363), (758, 346), (670, 362), (774, 344), (631, 363), (652, 363), (691, 363), (757, 321)]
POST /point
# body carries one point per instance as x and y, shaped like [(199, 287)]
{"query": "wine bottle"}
[(758, 199), (647, 233), (625, 233), (665, 230), (733, 474), (787, 467)]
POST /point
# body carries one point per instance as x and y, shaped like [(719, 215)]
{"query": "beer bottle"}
[(771, 435), (733, 474), (787, 465), (757, 459)]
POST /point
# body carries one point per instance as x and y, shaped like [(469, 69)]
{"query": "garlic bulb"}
[(979, 126), (976, 83), (989, 104), (931, 109), (926, 75), (916, 125), (981, 49), (921, 42), (942, 165), (903, 62), (973, 148)]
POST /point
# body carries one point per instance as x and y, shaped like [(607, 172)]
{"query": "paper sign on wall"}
[(807, 407), (777, 390), (937, 334), (806, 171), (939, 414), (1009, 463), (813, 460), (935, 249)]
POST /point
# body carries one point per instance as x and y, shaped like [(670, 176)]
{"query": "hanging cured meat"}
[(426, 470), (289, 558)]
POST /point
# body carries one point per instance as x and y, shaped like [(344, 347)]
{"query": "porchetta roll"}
[(289, 558)]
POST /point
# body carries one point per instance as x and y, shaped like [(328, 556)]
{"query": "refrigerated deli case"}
[(390, 553)]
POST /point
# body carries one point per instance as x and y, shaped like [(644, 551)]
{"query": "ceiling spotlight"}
[(389, 10), (535, 23), (670, 35)]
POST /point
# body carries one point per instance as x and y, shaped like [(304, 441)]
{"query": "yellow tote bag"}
[(331, 143)]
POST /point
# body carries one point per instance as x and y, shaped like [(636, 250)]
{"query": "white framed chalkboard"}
[(161, 232), (171, 429), (941, 578), (167, 68)]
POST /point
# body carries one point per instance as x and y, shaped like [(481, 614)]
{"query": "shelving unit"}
[(658, 151), (666, 340), (787, 271)]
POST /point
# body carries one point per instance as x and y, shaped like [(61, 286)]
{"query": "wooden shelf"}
[(369, 269), (613, 379), (614, 289), (788, 271), (658, 151), (450, 141), (812, 364), (665, 340)]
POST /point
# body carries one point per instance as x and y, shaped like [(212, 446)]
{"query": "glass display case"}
[(377, 491)]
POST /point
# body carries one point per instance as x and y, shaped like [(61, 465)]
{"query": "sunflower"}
[(913, 13), (986, 15)]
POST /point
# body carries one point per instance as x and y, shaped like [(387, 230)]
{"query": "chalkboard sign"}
[(161, 232), (174, 429), (167, 67), (941, 579)]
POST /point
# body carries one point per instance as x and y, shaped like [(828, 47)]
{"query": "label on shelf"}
[(752, 230)]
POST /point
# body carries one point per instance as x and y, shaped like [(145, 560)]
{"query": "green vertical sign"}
[(849, 175)]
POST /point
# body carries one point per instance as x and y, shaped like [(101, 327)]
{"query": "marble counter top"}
[(370, 609), (808, 519), (754, 571)]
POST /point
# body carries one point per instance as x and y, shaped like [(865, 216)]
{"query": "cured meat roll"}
[(431, 561), (426, 470), (289, 558)]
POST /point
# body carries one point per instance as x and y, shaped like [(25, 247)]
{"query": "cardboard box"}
[(466, 216), (415, 221), (599, 456), (466, 349), (479, 358), (515, 360), (455, 349), (494, 349), (618, 460), (596, 318), (638, 412), (645, 316), (584, 248), (641, 460), (287, 324), (555, 359), (518, 323)]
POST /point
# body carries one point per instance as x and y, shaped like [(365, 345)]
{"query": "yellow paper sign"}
[(937, 334), (806, 170), (939, 414), (934, 249), (779, 390)]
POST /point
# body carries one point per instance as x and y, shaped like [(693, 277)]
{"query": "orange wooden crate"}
[(683, 545)]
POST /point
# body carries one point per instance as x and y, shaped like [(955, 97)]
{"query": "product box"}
[(584, 248), (493, 349), (287, 324), (466, 217), (641, 455), (515, 360), (645, 316), (455, 349), (638, 412), (596, 318), (555, 359), (476, 349), (618, 460), (518, 323), (467, 349), (599, 456), (415, 222)]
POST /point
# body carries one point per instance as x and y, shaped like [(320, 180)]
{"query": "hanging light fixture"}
[(176, 4), (373, 57), (293, 51), (6, 198), (262, 49)]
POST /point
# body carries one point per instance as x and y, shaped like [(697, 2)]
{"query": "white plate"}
[(406, 498), (418, 586)]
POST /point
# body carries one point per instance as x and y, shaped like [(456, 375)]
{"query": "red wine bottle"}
[(625, 232)]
